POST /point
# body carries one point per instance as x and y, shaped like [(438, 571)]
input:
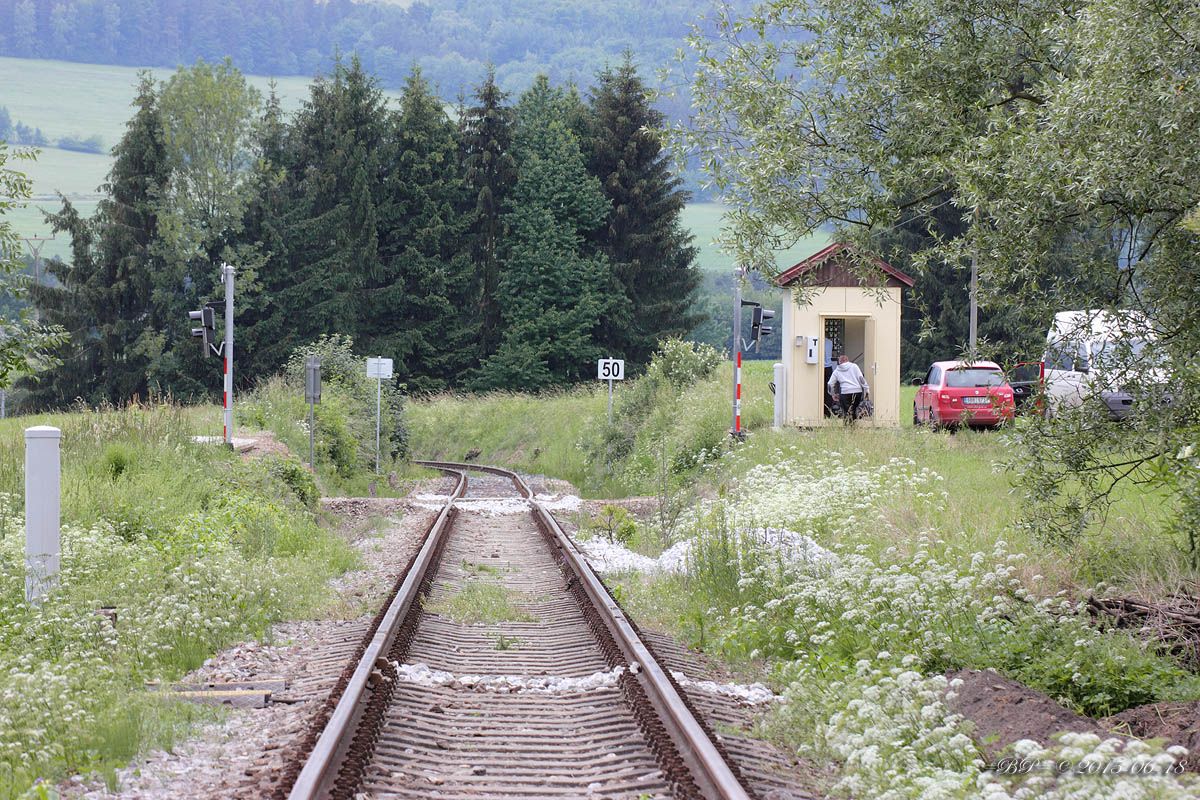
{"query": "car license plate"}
[(976, 401)]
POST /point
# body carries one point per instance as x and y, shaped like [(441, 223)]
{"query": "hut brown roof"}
[(828, 268)]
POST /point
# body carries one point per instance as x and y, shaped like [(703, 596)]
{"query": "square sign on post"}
[(610, 369), (380, 369)]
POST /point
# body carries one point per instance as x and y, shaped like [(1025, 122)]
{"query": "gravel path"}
[(240, 755)]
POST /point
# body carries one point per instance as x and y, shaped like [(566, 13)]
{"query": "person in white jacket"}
[(849, 386)]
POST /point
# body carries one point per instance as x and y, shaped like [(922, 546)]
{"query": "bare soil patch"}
[(1005, 711), (1177, 723)]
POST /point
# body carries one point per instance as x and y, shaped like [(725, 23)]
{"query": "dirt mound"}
[(264, 443), (1005, 711), (1178, 723)]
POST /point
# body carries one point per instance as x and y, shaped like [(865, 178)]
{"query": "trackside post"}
[(42, 507)]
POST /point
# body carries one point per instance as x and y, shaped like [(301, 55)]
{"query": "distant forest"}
[(452, 40)]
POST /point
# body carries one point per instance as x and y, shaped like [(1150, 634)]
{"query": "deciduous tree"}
[(1068, 138)]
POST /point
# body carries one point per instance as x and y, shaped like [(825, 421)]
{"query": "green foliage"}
[(650, 433), (489, 171), (25, 344), (480, 602), (297, 478), (553, 295), (174, 197), (191, 547), (615, 523), (425, 276), (652, 256), (473, 255), (1046, 129), (344, 433)]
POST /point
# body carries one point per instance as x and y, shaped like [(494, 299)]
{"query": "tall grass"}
[(192, 547), (684, 434)]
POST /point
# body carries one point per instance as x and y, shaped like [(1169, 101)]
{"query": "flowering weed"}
[(203, 551)]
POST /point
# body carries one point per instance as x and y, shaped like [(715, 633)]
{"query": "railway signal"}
[(757, 328), (207, 332)]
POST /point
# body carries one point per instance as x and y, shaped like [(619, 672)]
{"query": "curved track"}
[(502, 668)]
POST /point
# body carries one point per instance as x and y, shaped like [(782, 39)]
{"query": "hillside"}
[(452, 40), (64, 98)]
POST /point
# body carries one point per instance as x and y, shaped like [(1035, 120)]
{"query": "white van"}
[(1097, 354)]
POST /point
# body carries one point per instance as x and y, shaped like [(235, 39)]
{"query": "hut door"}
[(870, 359)]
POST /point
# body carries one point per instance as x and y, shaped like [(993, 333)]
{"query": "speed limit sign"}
[(610, 369)]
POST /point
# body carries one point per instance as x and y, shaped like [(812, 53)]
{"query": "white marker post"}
[(42, 488), (780, 396), (610, 369), (378, 368)]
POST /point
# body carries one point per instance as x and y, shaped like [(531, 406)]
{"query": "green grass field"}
[(704, 221), (64, 98)]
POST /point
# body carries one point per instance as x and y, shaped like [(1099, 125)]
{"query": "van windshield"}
[(973, 377)]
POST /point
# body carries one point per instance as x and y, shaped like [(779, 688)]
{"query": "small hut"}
[(849, 313)]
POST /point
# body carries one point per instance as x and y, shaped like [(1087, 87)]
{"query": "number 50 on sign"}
[(610, 369)]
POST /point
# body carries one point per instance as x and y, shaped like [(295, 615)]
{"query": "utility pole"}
[(974, 292), (35, 245)]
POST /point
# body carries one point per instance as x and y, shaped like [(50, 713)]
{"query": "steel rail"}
[(708, 767), (321, 768)]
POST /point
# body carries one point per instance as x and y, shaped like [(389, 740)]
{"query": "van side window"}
[(1059, 358), (1081, 360)]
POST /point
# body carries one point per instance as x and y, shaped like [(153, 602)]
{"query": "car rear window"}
[(973, 377), (1026, 373)]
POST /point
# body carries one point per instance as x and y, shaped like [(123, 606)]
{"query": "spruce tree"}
[(104, 299), (642, 236), (335, 158), (421, 301), (490, 170), (554, 292)]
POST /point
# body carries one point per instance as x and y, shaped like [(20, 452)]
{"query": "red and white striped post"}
[(737, 395), (227, 353), (736, 429)]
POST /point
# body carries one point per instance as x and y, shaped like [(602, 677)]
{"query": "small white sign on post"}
[(380, 369), (610, 369)]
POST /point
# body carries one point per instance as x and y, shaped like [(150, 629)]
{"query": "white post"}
[(610, 396), (3, 403), (780, 397), (378, 401), (227, 274), (42, 486)]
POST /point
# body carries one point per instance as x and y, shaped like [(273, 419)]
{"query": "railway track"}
[(556, 696)]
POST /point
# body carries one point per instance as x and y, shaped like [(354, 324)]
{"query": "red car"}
[(957, 393)]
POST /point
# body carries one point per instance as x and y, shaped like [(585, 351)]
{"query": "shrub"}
[(615, 523), (296, 477)]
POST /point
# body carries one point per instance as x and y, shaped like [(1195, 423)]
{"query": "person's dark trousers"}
[(850, 401)]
